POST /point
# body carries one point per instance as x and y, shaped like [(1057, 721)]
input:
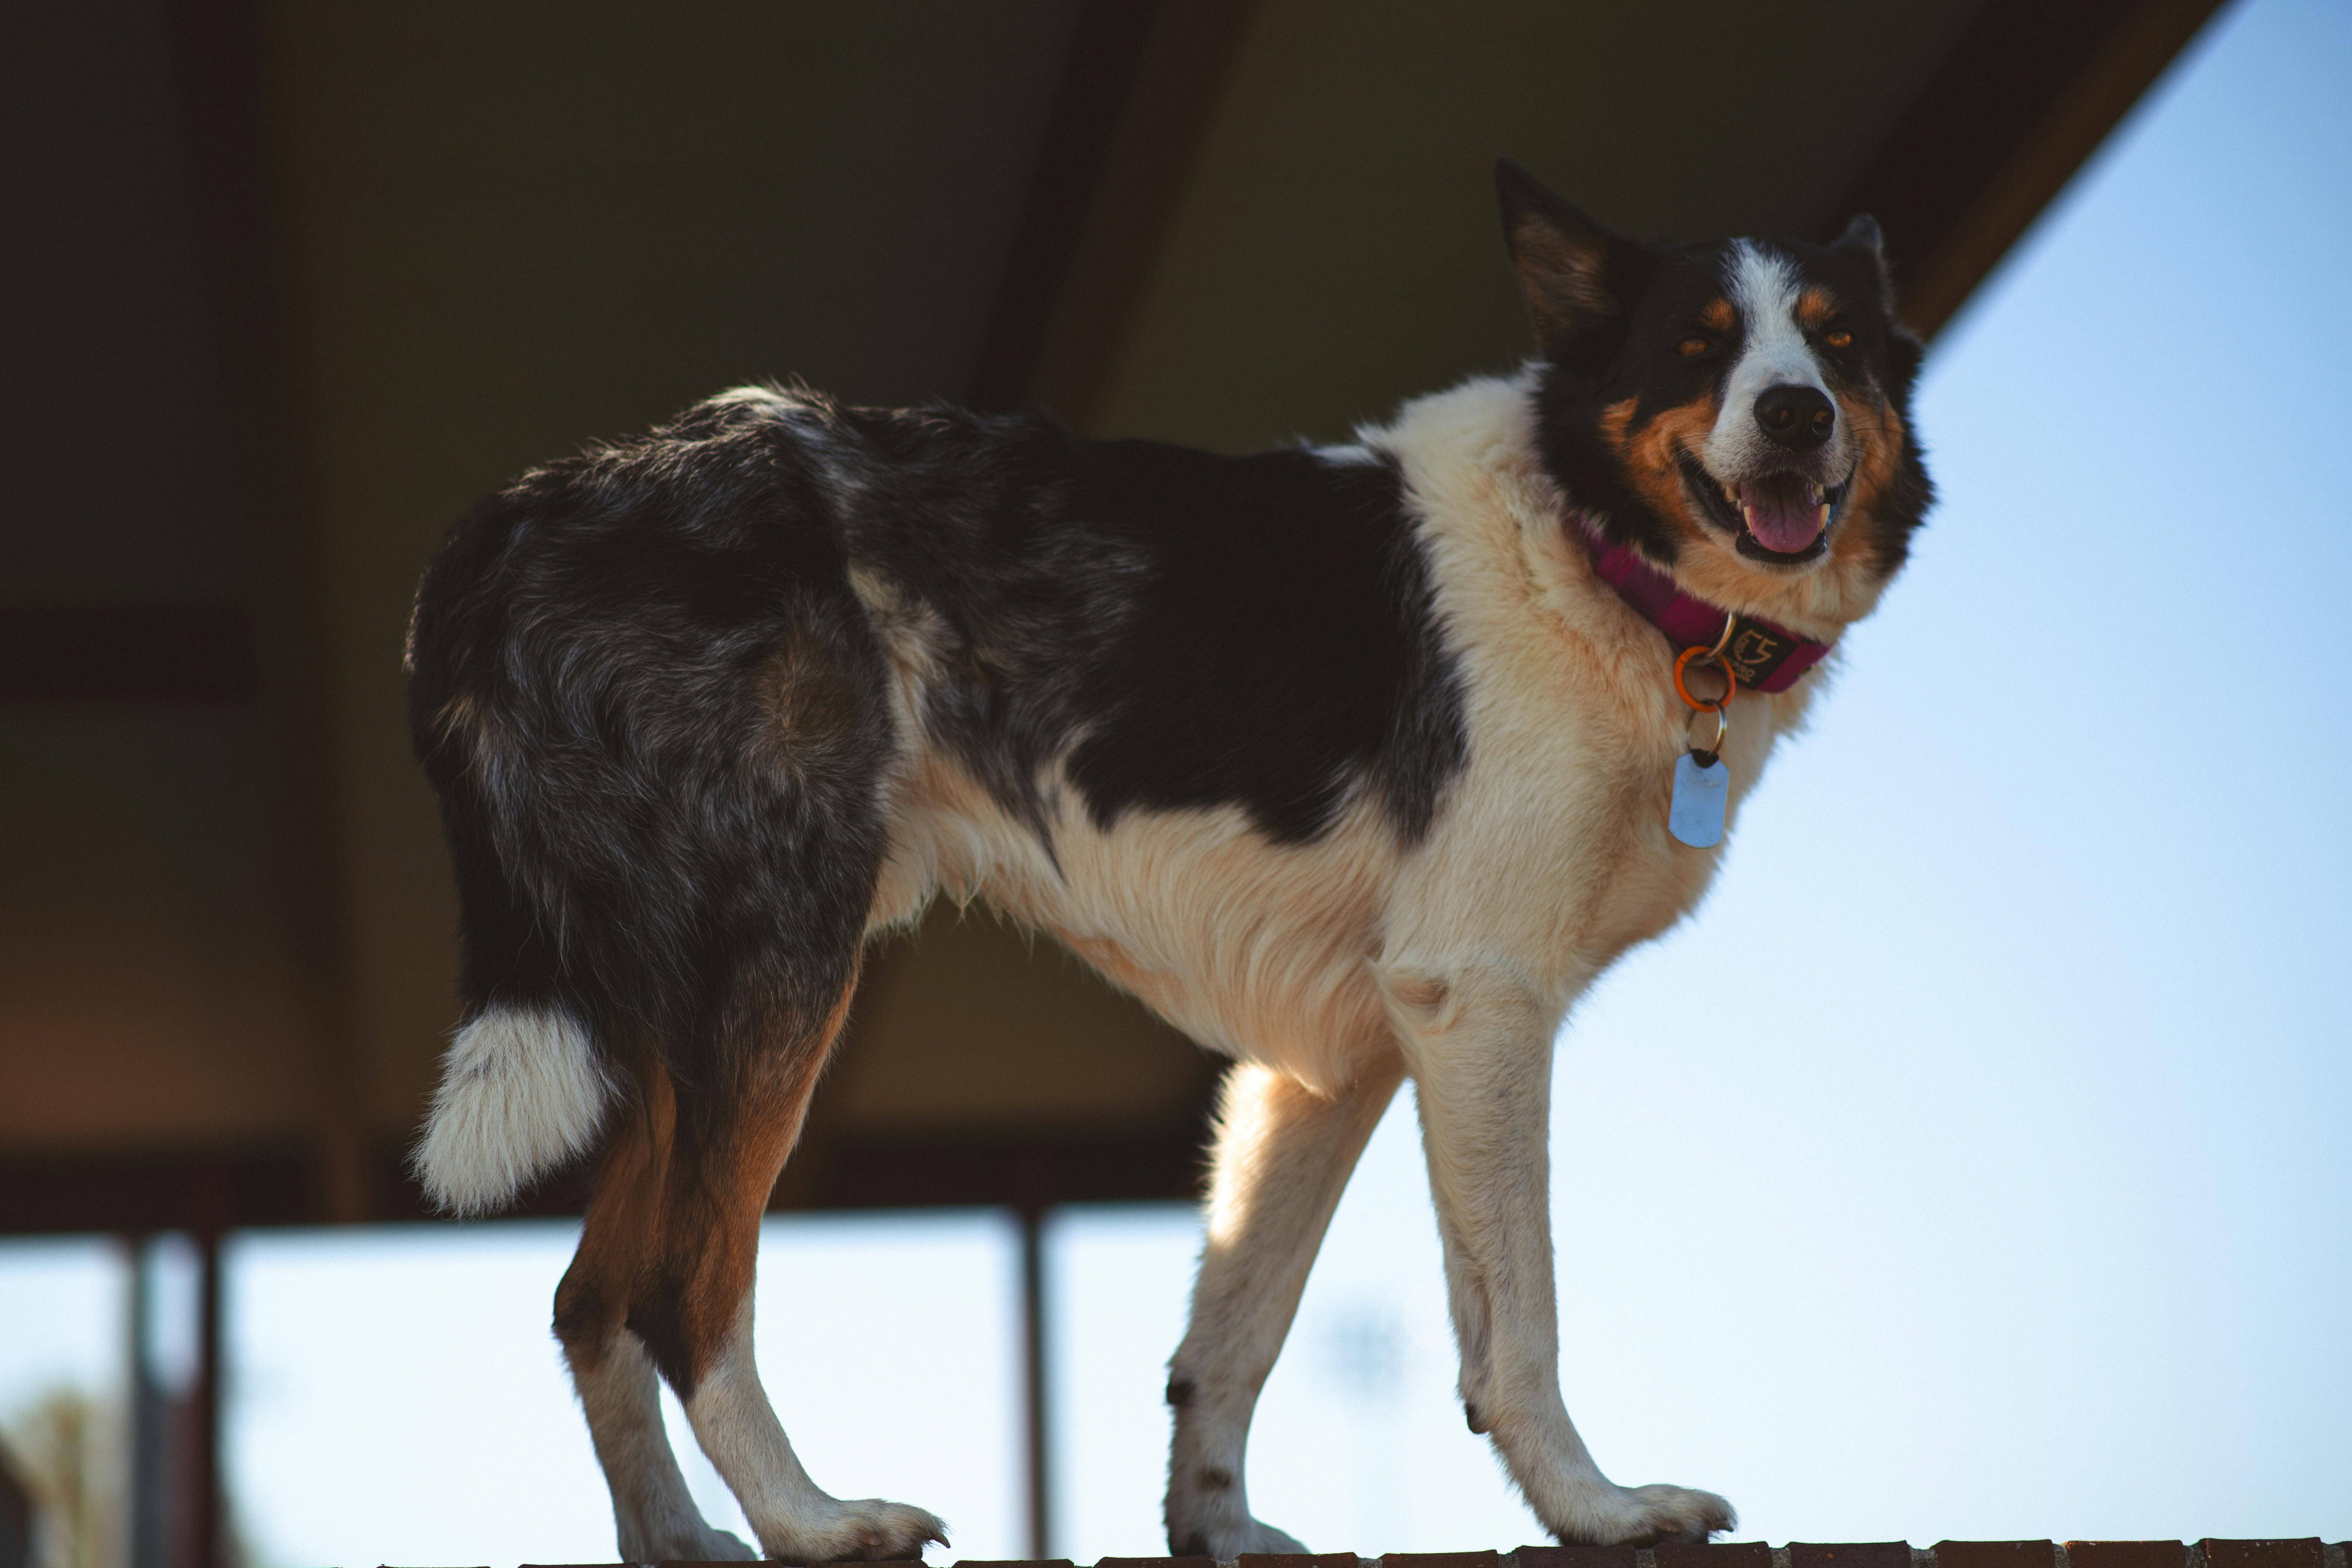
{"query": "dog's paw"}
[(1648, 1516), (864, 1530)]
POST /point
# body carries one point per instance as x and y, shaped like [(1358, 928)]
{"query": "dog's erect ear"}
[(1575, 273), (1863, 241)]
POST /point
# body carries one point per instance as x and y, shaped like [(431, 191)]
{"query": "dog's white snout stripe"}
[(1774, 353)]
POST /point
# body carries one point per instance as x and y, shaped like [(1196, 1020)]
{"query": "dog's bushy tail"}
[(529, 1077), (657, 719), (522, 1092)]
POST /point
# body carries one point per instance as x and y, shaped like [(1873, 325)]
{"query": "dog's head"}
[(1739, 411)]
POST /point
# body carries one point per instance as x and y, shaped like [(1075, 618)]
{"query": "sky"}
[(1972, 1165)]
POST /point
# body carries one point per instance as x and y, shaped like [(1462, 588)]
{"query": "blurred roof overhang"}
[(300, 282)]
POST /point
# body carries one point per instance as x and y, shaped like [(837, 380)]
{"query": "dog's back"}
[(668, 692)]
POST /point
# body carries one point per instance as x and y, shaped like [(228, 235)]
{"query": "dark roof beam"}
[(2015, 111), (1136, 96)]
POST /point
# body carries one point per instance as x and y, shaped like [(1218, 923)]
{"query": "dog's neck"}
[(1766, 656), (1818, 604)]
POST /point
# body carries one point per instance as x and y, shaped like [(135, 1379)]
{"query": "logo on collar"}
[(1757, 651)]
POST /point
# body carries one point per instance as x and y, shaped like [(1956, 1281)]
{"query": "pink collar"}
[(1766, 658)]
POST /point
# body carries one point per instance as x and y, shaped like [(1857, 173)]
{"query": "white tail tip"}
[(520, 1091)]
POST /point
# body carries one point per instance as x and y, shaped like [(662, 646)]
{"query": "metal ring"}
[(1722, 728), (1681, 689)]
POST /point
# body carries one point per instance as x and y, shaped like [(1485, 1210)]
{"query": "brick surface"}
[(2126, 1554), (1575, 1557), (1715, 1555), (1441, 1560), (2306, 1553), (1995, 1555), (1850, 1554), (1298, 1560)]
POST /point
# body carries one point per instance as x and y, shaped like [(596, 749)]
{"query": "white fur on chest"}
[(1551, 856)]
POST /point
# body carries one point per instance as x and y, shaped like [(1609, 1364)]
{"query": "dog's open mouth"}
[(1782, 518)]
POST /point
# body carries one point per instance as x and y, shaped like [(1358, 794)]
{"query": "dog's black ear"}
[(1575, 273), (1862, 241)]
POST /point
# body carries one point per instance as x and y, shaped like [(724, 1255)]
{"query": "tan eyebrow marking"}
[(1717, 315), (1814, 306)]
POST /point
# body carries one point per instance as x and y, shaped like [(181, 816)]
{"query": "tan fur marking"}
[(1650, 456), (1615, 421), (811, 702), (710, 1226), (1719, 315), (1813, 307), (594, 1297)]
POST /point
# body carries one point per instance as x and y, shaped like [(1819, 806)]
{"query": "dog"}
[(1355, 763)]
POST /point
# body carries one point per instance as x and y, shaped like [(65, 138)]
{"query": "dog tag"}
[(1701, 795)]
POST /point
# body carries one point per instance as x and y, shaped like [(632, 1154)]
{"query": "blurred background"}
[(1973, 1166)]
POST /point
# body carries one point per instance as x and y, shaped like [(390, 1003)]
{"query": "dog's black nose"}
[(1796, 415)]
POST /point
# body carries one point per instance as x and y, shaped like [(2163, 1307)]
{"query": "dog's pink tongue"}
[(1782, 513)]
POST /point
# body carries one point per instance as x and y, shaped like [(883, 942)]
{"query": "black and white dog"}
[(1356, 764)]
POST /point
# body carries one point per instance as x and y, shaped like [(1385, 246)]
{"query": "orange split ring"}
[(1682, 687)]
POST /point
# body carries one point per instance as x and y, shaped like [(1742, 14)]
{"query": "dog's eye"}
[(1693, 346), (1838, 338)]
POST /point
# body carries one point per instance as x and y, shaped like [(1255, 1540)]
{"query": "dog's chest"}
[(1553, 852)]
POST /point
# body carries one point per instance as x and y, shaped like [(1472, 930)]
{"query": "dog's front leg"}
[(1478, 1041), (1284, 1153)]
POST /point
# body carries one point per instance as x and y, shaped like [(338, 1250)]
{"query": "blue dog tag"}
[(1701, 795)]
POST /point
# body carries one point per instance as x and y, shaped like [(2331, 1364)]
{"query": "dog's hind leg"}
[(654, 1518), (1479, 1044), (1283, 1156), (693, 1306)]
